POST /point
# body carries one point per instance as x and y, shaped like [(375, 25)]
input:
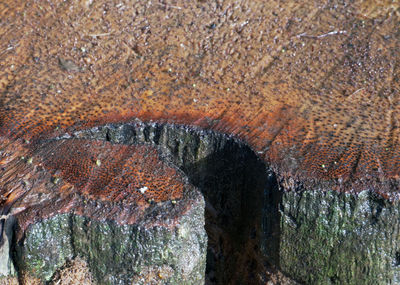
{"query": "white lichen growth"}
[(143, 189)]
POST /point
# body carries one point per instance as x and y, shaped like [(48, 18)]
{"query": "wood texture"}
[(312, 87)]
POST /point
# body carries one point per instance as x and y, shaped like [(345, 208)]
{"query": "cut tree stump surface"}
[(312, 88)]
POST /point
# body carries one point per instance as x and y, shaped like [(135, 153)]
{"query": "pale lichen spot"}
[(143, 189)]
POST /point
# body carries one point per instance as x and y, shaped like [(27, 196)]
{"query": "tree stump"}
[(113, 110)]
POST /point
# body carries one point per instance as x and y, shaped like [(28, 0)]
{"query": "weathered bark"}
[(6, 263), (339, 238), (121, 254)]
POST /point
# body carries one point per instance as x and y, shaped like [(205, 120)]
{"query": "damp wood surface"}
[(311, 87)]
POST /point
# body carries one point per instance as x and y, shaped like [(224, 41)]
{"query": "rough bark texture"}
[(337, 238), (6, 263), (119, 254)]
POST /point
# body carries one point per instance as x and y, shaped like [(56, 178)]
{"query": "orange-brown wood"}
[(96, 179), (313, 88), (106, 172)]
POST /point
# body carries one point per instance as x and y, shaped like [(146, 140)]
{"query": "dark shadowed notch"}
[(233, 181), (227, 172)]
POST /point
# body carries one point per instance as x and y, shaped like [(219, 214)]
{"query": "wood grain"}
[(312, 87)]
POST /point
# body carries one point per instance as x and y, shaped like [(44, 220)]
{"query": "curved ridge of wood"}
[(96, 179)]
